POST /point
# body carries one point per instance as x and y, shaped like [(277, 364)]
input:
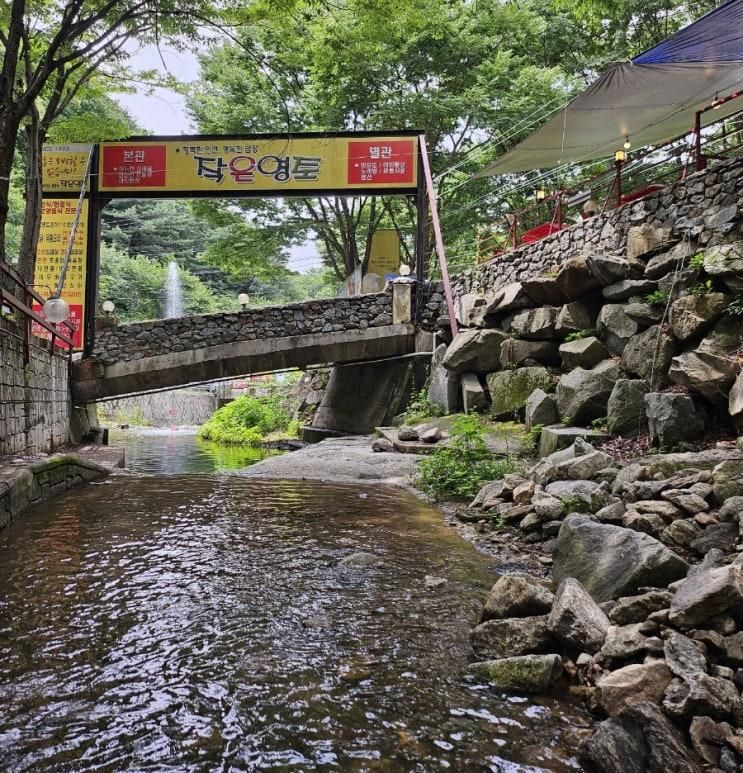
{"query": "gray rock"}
[(474, 350), (576, 619), (706, 594), (640, 740), (672, 419), (611, 561), (517, 595), (724, 260), (407, 433), (693, 315), (624, 641), (572, 281), (707, 736), (732, 649), (571, 489), (431, 435), (710, 374), (719, 536), (583, 395), (724, 338), (582, 353), (727, 479), (535, 323), (382, 445), (555, 439), (685, 657), (636, 609), (529, 674), (702, 694), (465, 305), (735, 402), (515, 352), (648, 355), (610, 268), (474, 398), (681, 533), (443, 386), (541, 409), (508, 298), (633, 683), (625, 410), (662, 264), (511, 636), (644, 313), (615, 328), (732, 510), (648, 523), (612, 513), (643, 240), (690, 503), (574, 317), (510, 389), (626, 288), (547, 507)]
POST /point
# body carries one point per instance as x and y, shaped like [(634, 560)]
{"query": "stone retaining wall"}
[(163, 409), (34, 398), (701, 207)]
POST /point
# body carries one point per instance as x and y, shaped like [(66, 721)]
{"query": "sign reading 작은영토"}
[(274, 165)]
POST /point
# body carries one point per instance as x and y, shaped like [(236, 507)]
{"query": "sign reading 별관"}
[(57, 217), (225, 165), (63, 167)]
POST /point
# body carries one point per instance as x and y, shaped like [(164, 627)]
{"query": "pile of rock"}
[(644, 613), (641, 342)]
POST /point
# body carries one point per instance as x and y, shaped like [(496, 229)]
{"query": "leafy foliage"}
[(577, 335), (246, 420), (421, 407), (657, 297), (459, 470), (735, 307)]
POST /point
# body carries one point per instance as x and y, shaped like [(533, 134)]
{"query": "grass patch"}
[(421, 408)]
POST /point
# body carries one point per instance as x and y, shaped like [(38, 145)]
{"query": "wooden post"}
[(437, 235), (700, 160), (618, 183)]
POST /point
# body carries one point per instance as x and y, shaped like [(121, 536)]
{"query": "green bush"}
[(421, 407), (577, 335), (459, 470), (246, 420)]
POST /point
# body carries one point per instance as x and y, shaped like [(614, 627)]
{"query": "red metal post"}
[(437, 235)]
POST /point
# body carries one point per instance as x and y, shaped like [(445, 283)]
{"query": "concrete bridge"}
[(163, 354)]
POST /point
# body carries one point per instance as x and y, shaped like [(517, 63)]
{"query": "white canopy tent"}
[(650, 100)]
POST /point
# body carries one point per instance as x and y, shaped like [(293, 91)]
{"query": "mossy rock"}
[(510, 389)]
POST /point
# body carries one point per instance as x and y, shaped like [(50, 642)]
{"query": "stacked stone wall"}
[(34, 398)]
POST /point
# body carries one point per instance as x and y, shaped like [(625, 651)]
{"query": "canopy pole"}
[(437, 235), (699, 156)]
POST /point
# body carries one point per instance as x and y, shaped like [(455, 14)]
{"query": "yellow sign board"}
[(63, 167), (234, 165), (384, 256), (57, 217)]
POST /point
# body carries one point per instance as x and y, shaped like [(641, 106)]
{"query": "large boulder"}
[(541, 409), (611, 561), (710, 374), (582, 353), (640, 739), (727, 479), (684, 656), (576, 619), (626, 288), (473, 394), (474, 350), (529, 673), (644, 313), (644, 240), (672, 419), (514, 352), (615, 327), (572, 280), (724, 338), (512, 296), (693, 315), (609, 268), (574, 317), (443, 387), (648, 355), (510, 636), (517, 595), (536, 324), (582, 395), (465, 305), (625, 411), (555, 439), (702, 694), (724, 259), (662, 264), (735, 402), (633, 683), (510, 389), (705, 594)]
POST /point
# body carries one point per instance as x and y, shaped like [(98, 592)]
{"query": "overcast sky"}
[(164, 112)]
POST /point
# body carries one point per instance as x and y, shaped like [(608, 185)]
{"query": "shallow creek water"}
[(201, 622)]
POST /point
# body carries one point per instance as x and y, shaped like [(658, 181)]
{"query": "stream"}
[(180, 618)]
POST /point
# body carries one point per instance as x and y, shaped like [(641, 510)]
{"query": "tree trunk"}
[(8, 134), (32, 216)]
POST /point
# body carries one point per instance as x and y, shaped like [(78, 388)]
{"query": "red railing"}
[(625, 180), (17, 295)]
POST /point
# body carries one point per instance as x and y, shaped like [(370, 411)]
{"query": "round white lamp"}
[(243, 299), (56, 310), (404, 269), (108, 307)]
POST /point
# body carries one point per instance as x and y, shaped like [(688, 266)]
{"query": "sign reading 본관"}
[(63, 167), (226, 165), (57, 217)]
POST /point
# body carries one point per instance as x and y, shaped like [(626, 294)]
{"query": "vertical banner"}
[(57, 217), (384, 256)]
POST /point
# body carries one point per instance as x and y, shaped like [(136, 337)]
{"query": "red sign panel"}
[(139, 166), (76, 318), (372, 161)]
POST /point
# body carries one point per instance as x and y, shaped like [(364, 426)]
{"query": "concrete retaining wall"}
[(163, 409), (34, 399)]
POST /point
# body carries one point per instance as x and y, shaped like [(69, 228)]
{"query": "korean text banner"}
[(57, 217), (274, 165), (63, 167)]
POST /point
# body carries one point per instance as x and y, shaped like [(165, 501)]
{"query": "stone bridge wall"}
[(703, 207), (34, 398)]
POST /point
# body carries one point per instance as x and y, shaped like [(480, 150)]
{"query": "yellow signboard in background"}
[(384, 257), (224, 165), (63, 167), (57, 217)]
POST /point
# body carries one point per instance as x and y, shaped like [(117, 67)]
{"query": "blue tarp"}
[(715, 37)]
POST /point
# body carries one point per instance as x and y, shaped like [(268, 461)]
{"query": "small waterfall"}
[(173, 292)]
